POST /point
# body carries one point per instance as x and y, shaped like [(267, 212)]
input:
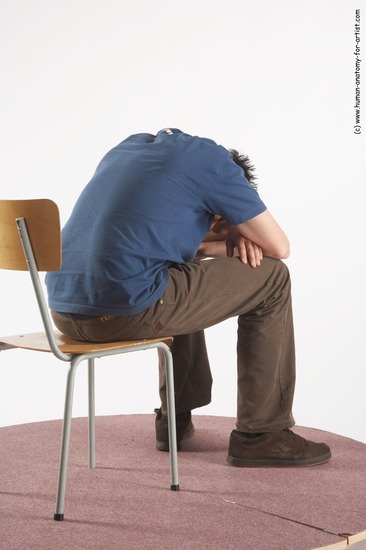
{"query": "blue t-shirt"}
[(148, 206)]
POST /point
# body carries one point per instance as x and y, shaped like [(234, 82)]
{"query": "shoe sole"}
[(164, 446), (278, 463)]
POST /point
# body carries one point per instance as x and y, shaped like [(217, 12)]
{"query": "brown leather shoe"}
[(185, 429), (285, 449)]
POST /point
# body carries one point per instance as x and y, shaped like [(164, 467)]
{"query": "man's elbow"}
[(280, 250), (283, 250), (285, 253)]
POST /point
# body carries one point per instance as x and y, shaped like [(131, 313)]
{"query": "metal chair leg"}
[(91, 415), (173, 453), (65, 442)]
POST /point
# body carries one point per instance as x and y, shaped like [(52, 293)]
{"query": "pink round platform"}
[(126, 502)]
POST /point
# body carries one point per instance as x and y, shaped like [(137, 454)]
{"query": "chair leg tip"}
[(58, 517), (174, 487)]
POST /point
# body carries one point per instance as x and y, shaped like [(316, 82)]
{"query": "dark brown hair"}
[(244, 162)]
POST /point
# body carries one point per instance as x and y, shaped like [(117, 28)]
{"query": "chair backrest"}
[(30, 240), (43, 225)]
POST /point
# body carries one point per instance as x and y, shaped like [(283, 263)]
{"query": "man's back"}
[(148, 206)]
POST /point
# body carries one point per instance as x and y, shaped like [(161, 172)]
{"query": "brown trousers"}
[(201, 294)]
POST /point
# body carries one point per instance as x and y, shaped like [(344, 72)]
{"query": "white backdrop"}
[(273, 79)]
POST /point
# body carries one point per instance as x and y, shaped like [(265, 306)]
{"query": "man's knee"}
[(281, 272)]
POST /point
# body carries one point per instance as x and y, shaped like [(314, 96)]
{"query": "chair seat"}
[(37, 341)]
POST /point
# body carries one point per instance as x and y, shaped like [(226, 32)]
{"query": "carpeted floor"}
[(126, 503)]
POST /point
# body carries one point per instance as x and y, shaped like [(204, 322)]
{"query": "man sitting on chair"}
[(132, 269)]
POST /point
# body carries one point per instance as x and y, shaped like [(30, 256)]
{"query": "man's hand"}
[(248, 251)]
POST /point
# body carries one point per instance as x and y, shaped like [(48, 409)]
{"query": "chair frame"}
[(92, 351)]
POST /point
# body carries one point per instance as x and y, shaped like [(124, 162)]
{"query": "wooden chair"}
[(30, 239)]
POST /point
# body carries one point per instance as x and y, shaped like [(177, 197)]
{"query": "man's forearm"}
[(212, 249), (213, 236)]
